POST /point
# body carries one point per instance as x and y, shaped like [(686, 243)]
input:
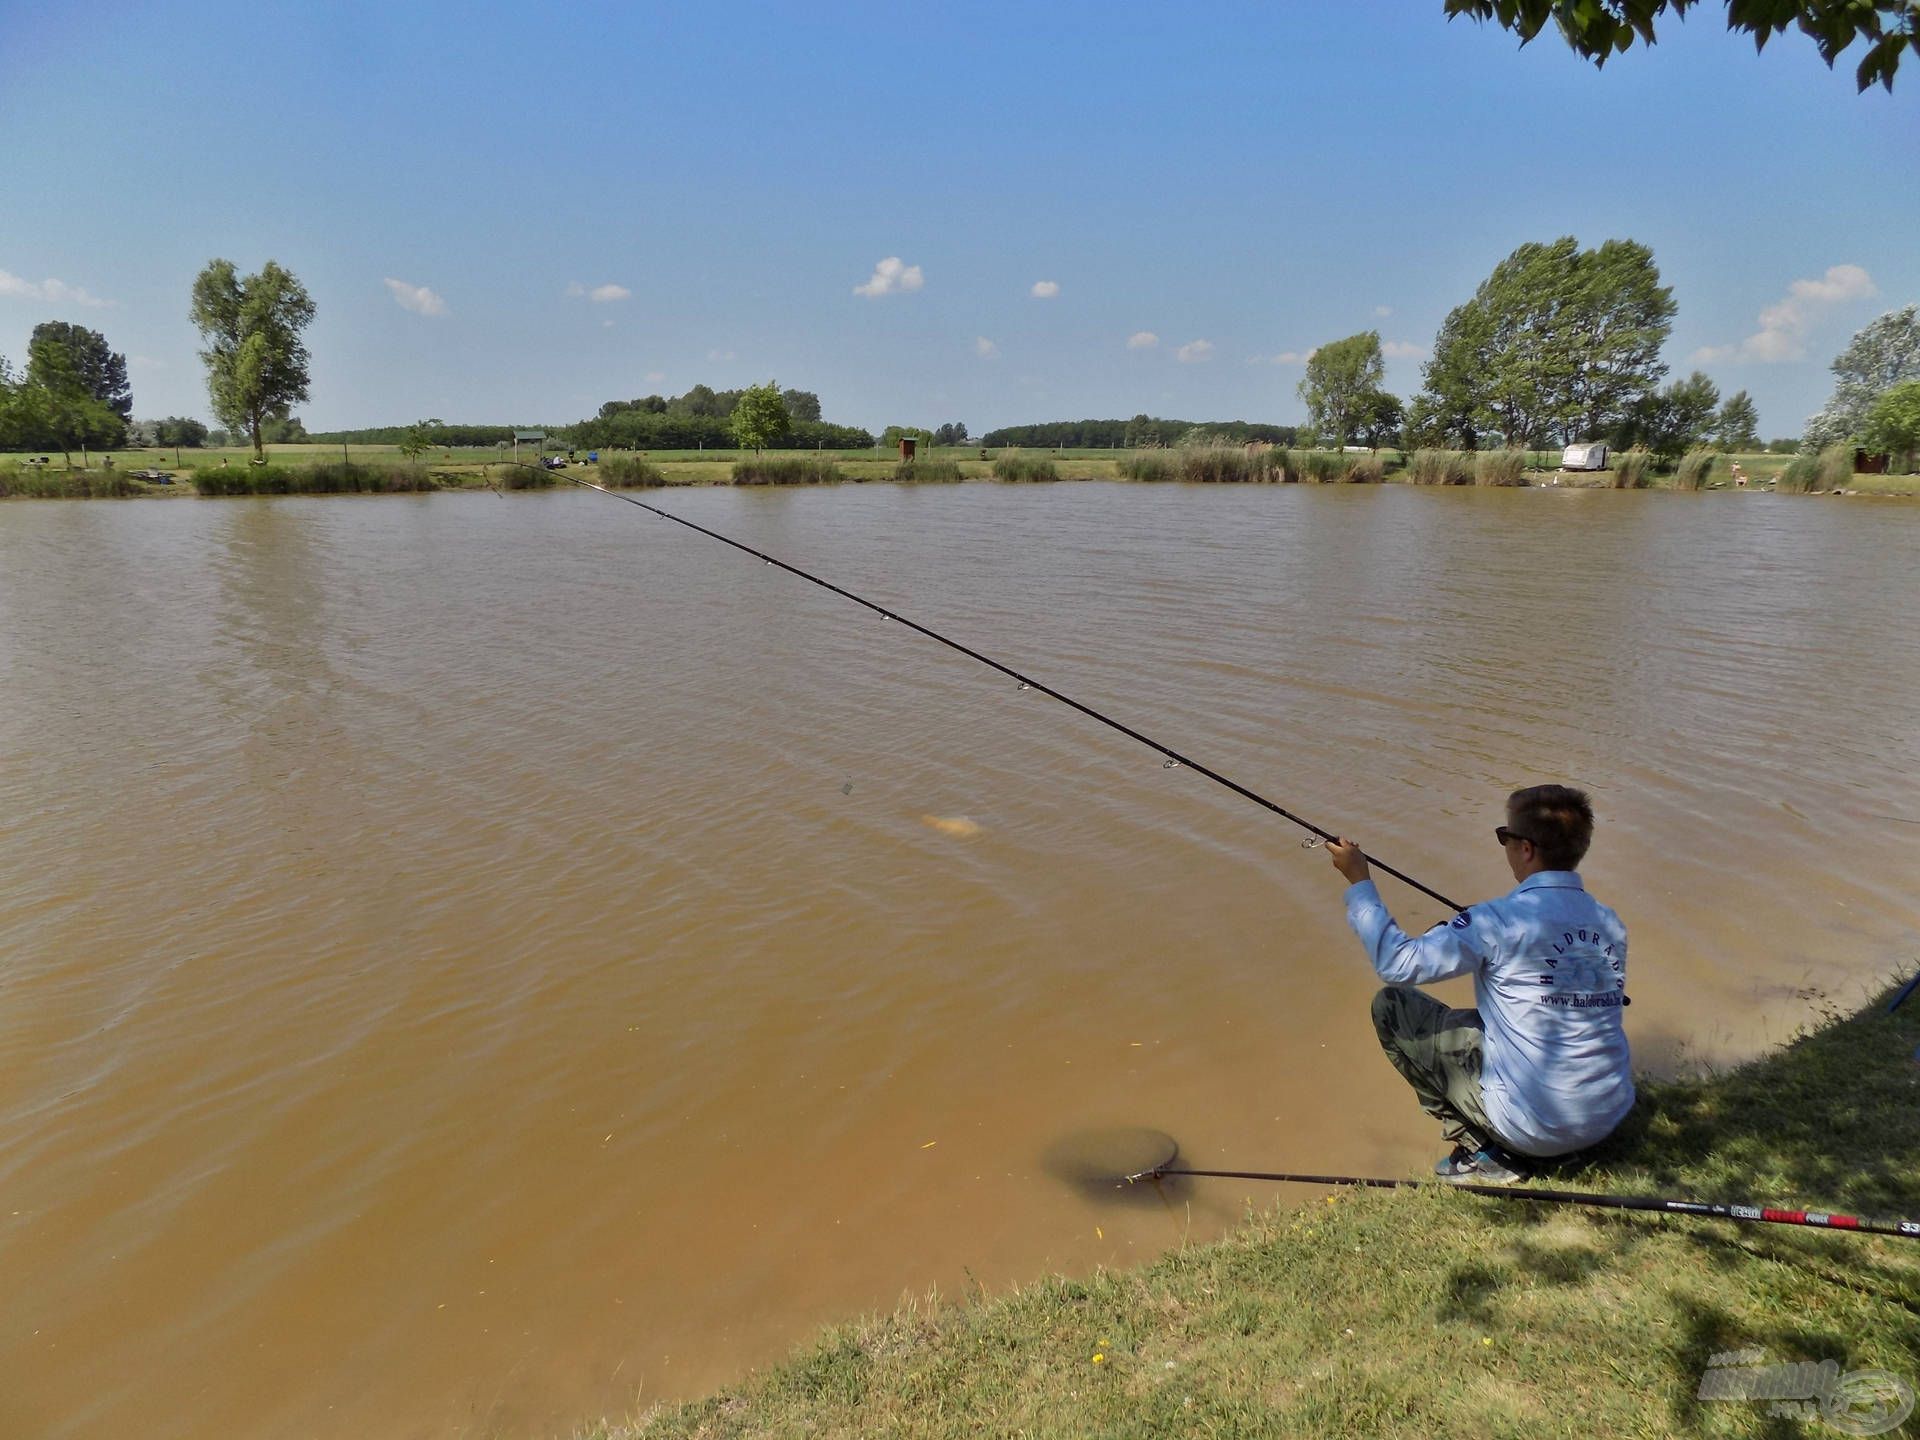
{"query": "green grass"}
[(1425, 1312)]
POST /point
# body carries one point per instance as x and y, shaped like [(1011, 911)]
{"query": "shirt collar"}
[(1551, 880)]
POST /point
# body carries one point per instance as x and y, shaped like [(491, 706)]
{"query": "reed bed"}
[(334, 477), (526, 477), (1316, 467), (43, 484), (1836, 466), (1366, 470), (629, 472), (1630, 469), (1695, 469), (1149, 465), (1024, 468), (1801, 475), (1442, 467), (786, 470), (1500, 467), (932, 472), (1228, 465)]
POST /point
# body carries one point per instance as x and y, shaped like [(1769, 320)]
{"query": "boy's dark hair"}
[(1557, 818)]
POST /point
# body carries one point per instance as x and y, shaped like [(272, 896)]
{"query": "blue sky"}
[(1223, 186)]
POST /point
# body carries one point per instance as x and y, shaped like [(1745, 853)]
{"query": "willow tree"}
[(1556, 342), (256, 361)]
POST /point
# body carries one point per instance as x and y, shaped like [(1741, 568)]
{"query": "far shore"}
[(164, 474)]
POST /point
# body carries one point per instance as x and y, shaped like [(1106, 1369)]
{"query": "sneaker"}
[(1489, 1166)]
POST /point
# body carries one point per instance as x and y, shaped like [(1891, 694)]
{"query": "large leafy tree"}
[(1557, 341), (1737, 427), (256, 362), (1340, 382), (1380, 419), (99, 369), (1617, 318), (13, 421), (760, 417), (179, 430), (1893, 425), (57, 404), (1882, 355), (1598, 29), (1672, 421), (802, 405)]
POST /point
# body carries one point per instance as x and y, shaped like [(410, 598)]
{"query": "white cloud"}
[(417, 298), (147, 362), (721, 355), (50, 292), (606, 324), (1402, 350), (1784, 324), (1285, 357), (1383, 311), (1142, 340), (1194, 351), (1045, 289), (986, 349), (598, 294), (654, 377), (892, 276)]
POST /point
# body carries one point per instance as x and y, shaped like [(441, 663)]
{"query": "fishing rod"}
[(1174, 759), (1754, 1214)]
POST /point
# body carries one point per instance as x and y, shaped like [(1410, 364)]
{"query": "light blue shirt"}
[(1549, 967)]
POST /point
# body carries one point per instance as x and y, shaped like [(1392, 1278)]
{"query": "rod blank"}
[(1753, 1214), (1027, 682)]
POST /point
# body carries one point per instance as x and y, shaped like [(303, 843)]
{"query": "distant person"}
[(1540, 1067)]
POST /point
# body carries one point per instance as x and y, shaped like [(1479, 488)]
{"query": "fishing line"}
[(1174, 759)]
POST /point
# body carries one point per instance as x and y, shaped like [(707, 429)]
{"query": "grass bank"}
[(1427, 1312)]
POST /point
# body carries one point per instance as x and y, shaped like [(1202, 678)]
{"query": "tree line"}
[(1141, 430), (1557, 345), (1561, 345)]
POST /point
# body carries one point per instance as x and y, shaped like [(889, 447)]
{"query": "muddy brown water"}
[(470, 965)]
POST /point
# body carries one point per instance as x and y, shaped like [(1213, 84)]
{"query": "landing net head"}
[(1102, 1163)]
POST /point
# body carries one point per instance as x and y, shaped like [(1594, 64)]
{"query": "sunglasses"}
[(1507, 837)]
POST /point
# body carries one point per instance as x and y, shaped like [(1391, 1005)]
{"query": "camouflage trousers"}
[(1438, 1050)]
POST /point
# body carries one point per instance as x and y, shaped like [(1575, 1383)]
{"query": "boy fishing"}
[(1539, 1067)]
